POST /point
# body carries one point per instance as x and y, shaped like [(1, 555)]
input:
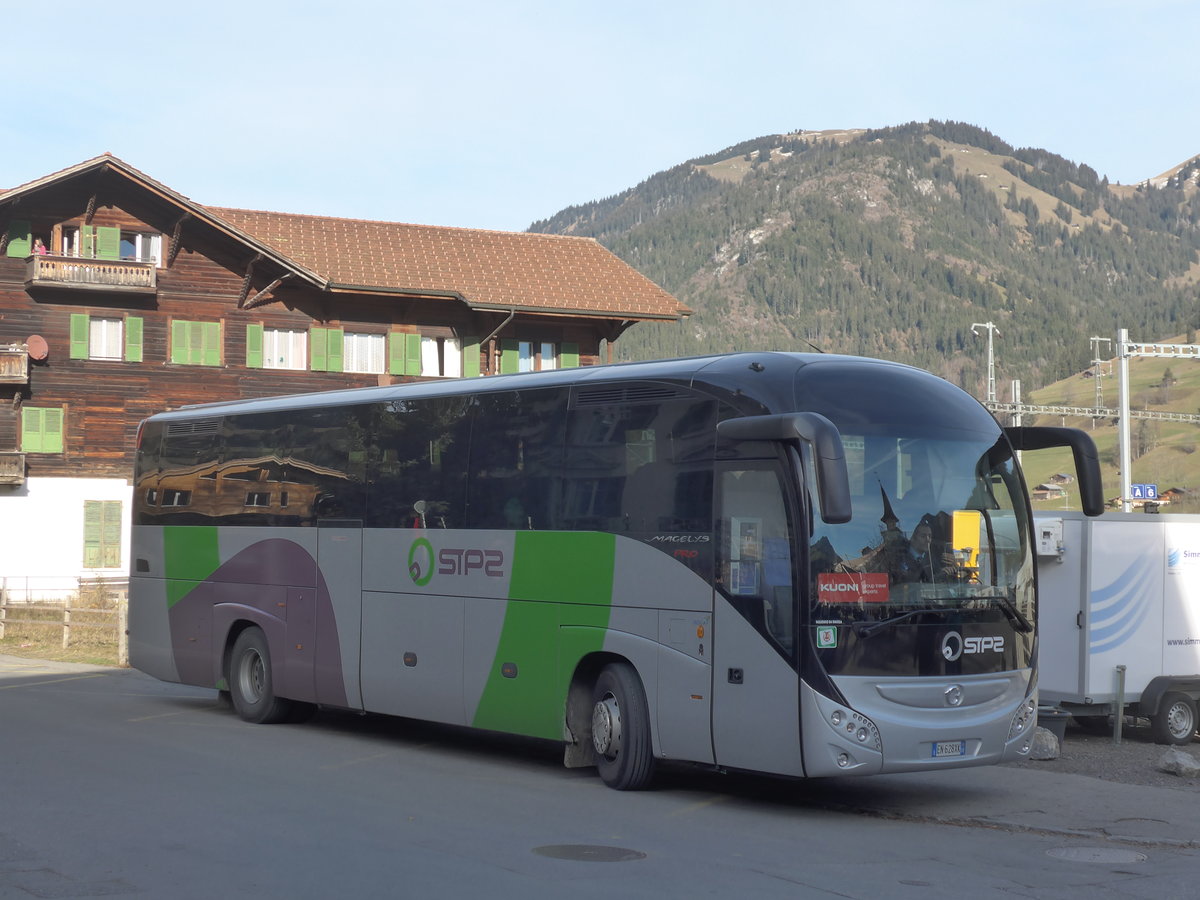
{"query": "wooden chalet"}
[(120, 297)]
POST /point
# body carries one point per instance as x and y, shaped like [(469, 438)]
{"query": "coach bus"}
[(709, 560)]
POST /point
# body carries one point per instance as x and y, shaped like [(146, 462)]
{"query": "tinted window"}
[(516, 459), (419, 464)]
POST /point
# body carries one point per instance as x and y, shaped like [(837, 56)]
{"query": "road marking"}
[(361, 759), (9, 687), (703, 804)]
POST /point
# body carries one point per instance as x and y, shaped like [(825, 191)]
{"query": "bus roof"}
[(692, 371)]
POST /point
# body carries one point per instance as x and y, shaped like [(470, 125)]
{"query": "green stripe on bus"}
[(558, 578), (190, 555)]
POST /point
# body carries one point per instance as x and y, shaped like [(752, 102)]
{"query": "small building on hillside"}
[(120, 297)]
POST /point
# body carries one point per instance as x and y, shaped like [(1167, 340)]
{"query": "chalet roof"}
[(500, 270), (488, 269)]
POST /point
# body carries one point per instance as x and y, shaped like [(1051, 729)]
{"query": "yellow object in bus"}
[(965, 537)]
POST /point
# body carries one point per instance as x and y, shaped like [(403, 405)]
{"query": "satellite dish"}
[(37, 347)]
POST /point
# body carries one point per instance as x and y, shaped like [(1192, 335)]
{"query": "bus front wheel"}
[(621, 729), (250, 684)]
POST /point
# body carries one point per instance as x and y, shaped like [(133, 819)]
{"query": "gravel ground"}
[(1135, 760)]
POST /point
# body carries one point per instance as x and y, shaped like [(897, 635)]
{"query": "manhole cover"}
[(588, 853), (1097, 854)]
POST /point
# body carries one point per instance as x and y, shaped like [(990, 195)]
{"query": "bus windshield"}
[(939, 523)]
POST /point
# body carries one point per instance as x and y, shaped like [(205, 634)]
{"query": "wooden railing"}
[(14, 365), (79, 272), (12, 467)]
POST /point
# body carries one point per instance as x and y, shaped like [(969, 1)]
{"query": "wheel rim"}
[(1181, 721), (252, 675), (606, 726)]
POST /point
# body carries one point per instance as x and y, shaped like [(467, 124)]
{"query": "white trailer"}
[(1119, 618)]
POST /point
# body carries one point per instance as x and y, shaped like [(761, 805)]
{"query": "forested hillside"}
[(894, 242)]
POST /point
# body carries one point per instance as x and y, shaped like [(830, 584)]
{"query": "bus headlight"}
[(854, 726), (1024, 717)]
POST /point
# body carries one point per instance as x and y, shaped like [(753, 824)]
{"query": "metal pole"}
[(991, 358), (1119, 712), (1123, 413)]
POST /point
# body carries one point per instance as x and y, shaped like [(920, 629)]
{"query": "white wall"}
[(42, 528)]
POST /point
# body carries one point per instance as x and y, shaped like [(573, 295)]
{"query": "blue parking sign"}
[(1151, 491), (1137, 491)]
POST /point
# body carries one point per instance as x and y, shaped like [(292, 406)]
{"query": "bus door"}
[(755, 682), (339, 621)]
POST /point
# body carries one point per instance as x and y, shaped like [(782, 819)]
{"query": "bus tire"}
[(1175, 721), (250, 684), (621, 729)]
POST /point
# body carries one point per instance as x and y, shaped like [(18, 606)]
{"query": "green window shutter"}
[(41, 430), (254, 346), (318, 342), (80, 325), (471, 357), (110, 534), (93, 529), (133, 339), (568, 355), (510, 356), (108, 243), (20, 240), (52, 431), (87, 241), (179, 342), (395, 350), (31, 429), (412, 354), (210, 343), (336, 350)]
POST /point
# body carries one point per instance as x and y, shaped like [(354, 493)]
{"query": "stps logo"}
[(420, 562), (451, 561)]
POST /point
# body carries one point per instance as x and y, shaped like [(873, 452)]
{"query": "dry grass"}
[(35, 630)]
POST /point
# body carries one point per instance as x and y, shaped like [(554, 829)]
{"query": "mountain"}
[(894, 242)]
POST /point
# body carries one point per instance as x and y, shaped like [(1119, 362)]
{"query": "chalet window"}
[(172, 497), (283, 349), (365, 353), (41, 430), (97, 242), (102, 534), (326, 349), (195, 343), (528, 356), (141, 247), (441, 357), (258, 498), (404, 354), (106, 337)]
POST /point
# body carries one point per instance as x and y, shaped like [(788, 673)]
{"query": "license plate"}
[(949, 748)]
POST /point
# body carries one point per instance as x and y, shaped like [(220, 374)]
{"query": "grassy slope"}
[(1172, 460)]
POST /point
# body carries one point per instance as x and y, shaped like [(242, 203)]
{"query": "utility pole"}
[(1098, 372), (991, 359)]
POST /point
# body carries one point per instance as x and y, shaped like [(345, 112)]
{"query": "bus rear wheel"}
[(621, 729), (1175, 722), (250, 685)]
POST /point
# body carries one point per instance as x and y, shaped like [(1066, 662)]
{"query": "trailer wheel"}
[(621, 729), (250, 685), (1175, 721)]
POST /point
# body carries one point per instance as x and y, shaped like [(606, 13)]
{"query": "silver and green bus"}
[(705, 560)]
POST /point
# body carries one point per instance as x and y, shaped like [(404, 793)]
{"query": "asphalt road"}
[(116, 785)]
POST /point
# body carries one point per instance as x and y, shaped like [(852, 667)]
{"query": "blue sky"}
[(494, 114)]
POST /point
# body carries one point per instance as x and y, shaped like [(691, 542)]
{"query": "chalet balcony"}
[(14, 365), (81, 273), (12, 467)]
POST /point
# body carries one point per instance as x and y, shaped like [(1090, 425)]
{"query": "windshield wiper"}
[(1020, 622), (867, 629)]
